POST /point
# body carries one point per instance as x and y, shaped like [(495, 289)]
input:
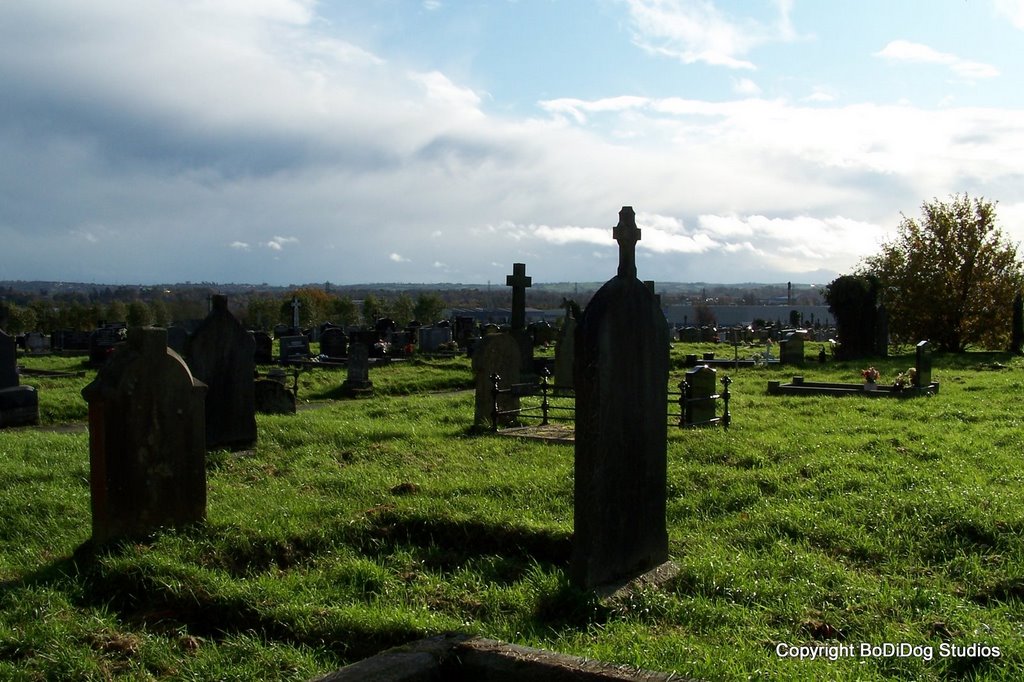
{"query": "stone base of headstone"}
[(273, 397), (620, 591), (19, 406), (357, 389)]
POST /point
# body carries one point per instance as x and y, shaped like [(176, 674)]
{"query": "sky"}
[(367, 141)]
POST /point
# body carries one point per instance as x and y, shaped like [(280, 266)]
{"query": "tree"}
[(852, 300), (372, 310), (139, 314), (428, 308), (344, 312), (950, 277)]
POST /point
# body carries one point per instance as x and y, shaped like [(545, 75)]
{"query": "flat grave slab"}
[(800, 387)]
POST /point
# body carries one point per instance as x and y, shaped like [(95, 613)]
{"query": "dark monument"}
[(19, 405), (147, 442), (621, 377), (520, 283), (334, 343), (221, 355), (1017, 326), (357, 383)]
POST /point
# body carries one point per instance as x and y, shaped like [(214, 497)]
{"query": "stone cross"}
[(627, 234), (519, 283), (296, 304)]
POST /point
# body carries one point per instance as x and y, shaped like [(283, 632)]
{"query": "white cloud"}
[(906, 51), (431, 5), (697, 31), (398, 258), (745, 86), (240, 246), (278, 243), (1012, 10)]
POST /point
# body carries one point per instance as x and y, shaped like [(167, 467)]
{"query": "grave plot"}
[(19, 405), (916, 381)]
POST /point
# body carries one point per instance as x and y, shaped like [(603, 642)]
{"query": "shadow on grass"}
[(452, 542)]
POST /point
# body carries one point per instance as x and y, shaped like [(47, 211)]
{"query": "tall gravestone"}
[(147, 440), (221, 355), (923, 364), (495, 354), (520, 283), (1017, 326), (621, 377)]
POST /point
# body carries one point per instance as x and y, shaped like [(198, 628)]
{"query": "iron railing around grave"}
[(549, 409), (689, 404)]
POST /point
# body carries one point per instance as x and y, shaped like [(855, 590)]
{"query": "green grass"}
[(363, 524)]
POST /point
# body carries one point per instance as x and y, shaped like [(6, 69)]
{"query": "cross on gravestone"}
[(627, 234), (519, 283), (296, 304)]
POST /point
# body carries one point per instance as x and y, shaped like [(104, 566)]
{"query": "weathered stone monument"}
[(357, 383), (495, 354), (621, 378), (263, 353), (520, 283), (221, 355), (147, 441), (292, 349), (19, 405), (791, 349)]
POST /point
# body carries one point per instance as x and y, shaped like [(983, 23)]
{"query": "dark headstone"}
[(621, 377), (19, 405), (334, 342), (495, 354), (147, 442), (791, 349), (263, 352), (220, 354), (8, 361), (102, 342), (177, 339), (292, 349), (273, 397), (882, 331), (358, 381), (923, 364), (565, 352), (700, 405), (432, 338), (1017, 326)]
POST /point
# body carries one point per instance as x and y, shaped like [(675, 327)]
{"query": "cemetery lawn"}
[(363, 524)]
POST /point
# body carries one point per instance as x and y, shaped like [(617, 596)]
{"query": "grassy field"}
[(358, 525)]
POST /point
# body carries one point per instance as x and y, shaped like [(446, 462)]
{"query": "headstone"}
[(923, 365), (19, 405), (102, 342), (292, 349), (495, 354), (432, 338), (565, 352), (36, 342), (358, 381), (272, 396), (791, 349), (263, 351), (334, 342), (220, 354), (1017, 326), (147, 441), (465, 329), (621, 378), (520, 283), (700, 387), (8, 361)]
